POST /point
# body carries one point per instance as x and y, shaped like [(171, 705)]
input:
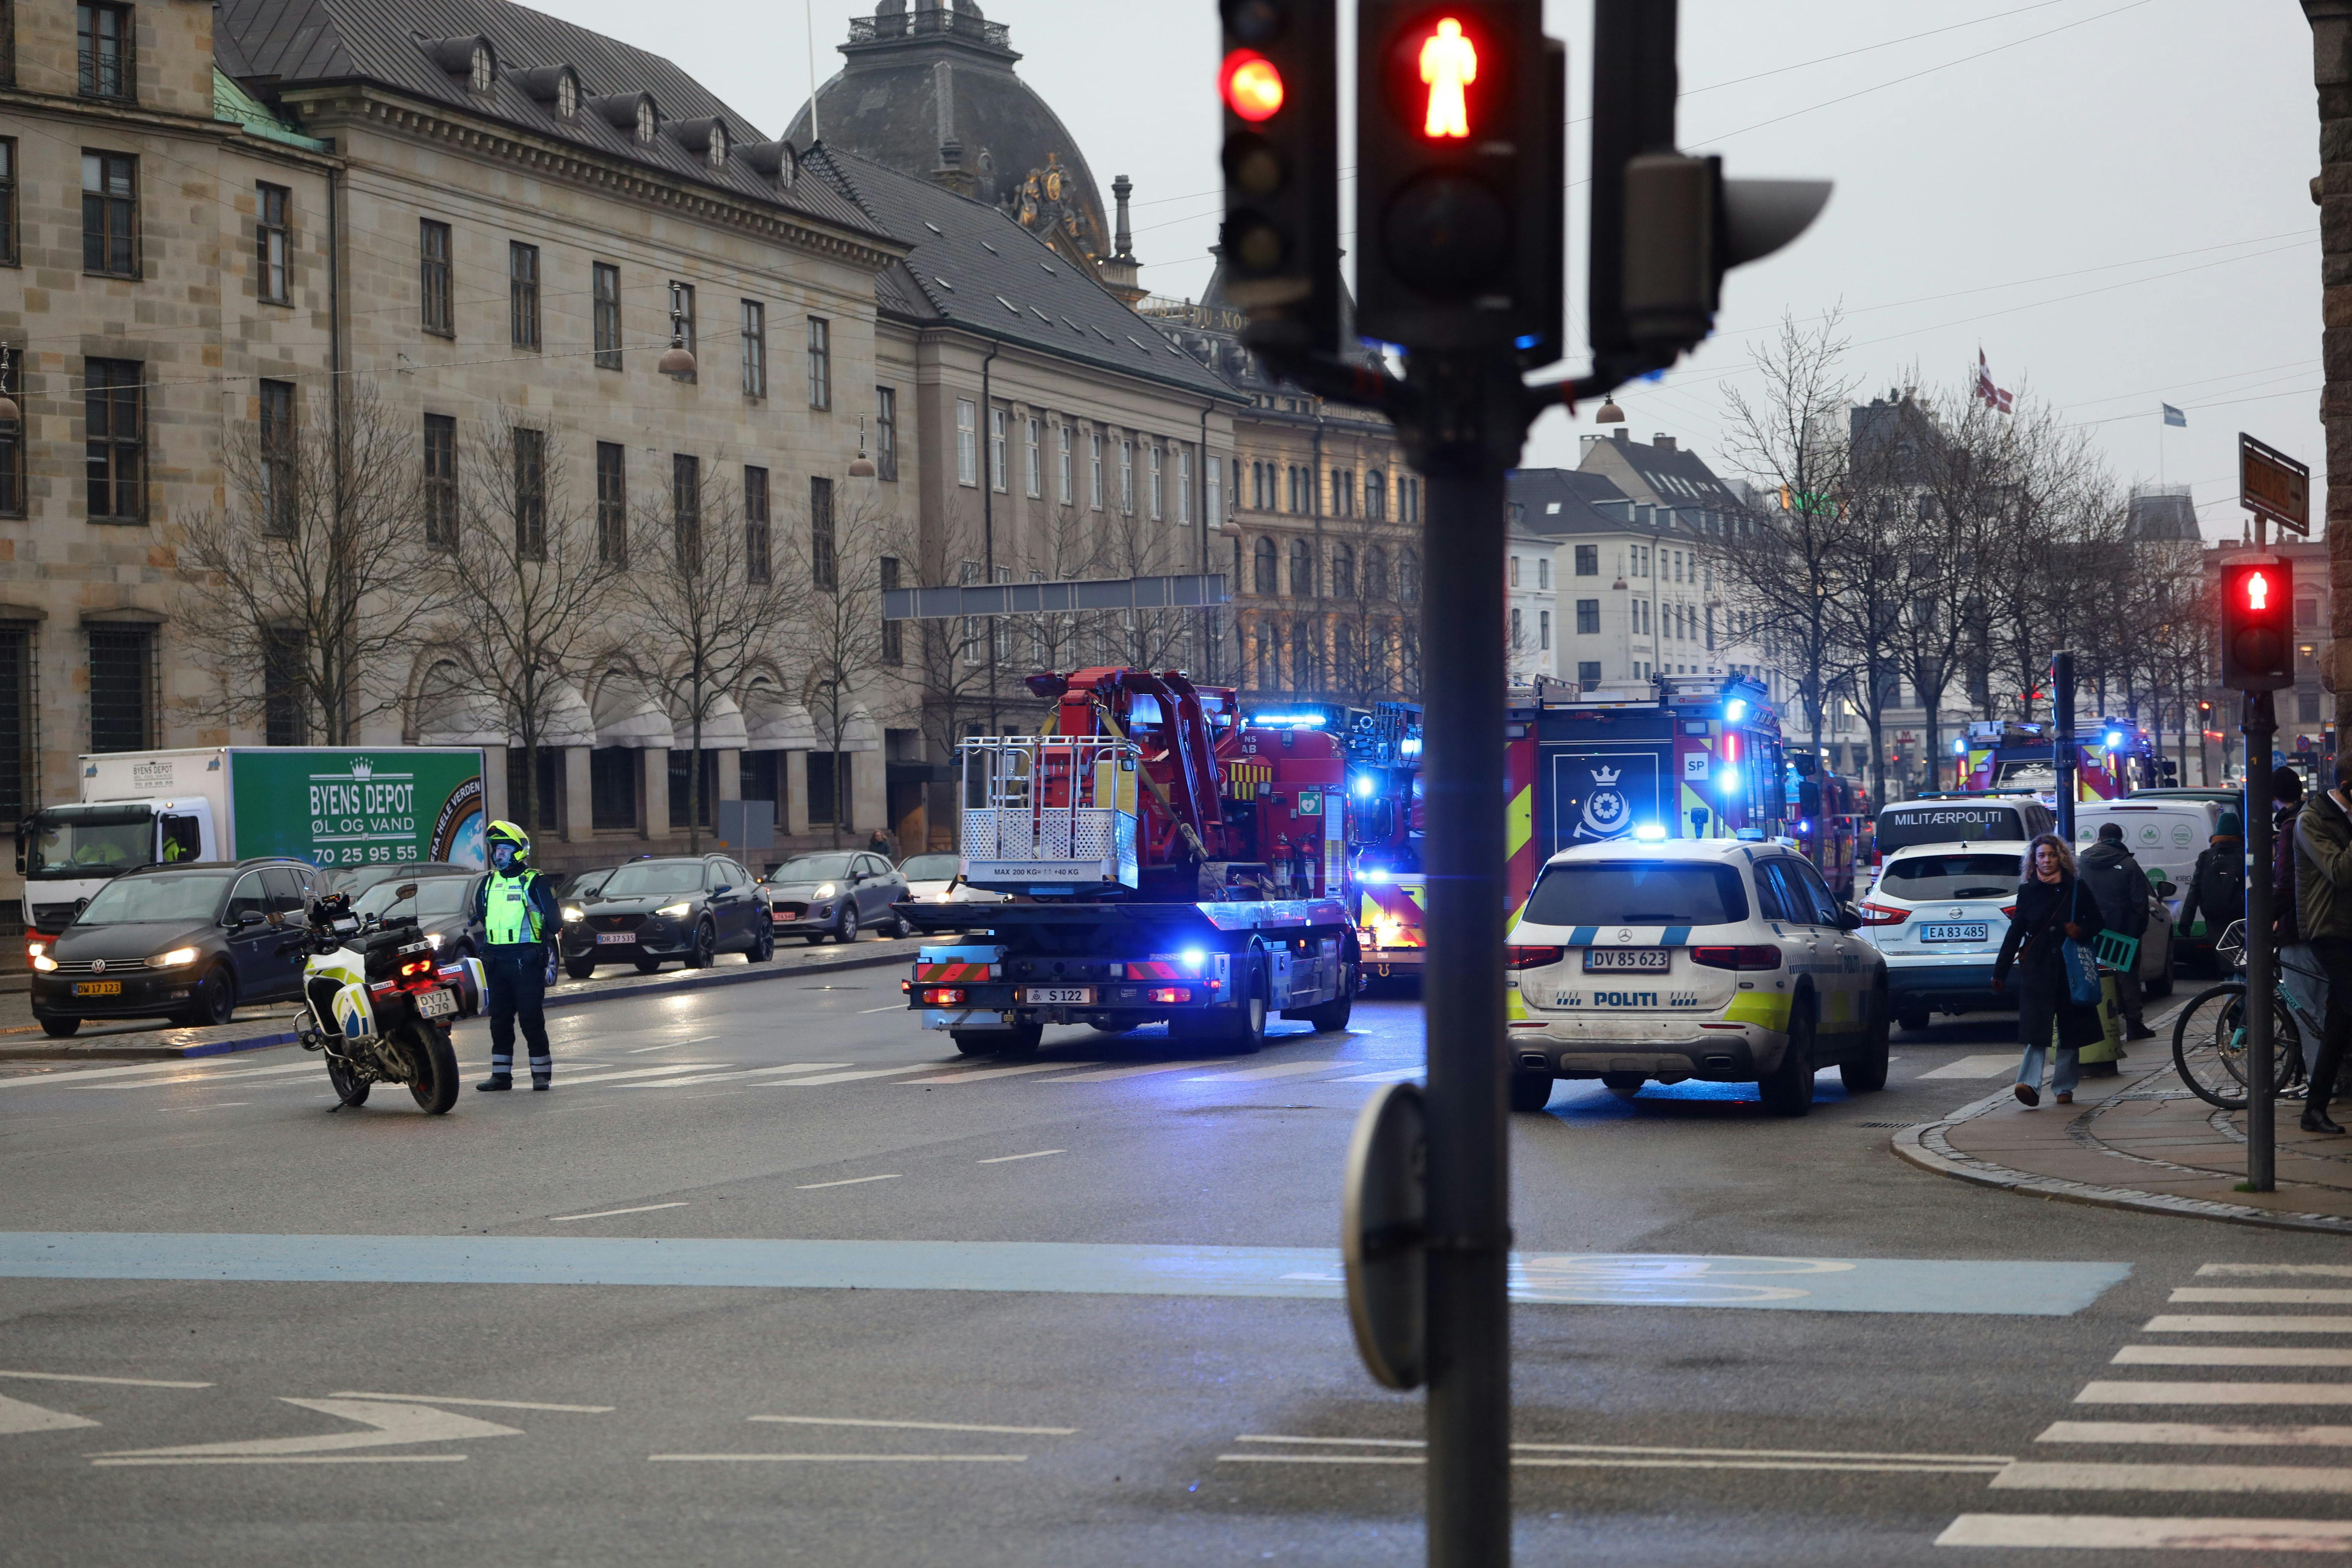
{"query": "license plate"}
[(97, 987), (1966, 931), (1597, 959), (436, 1004), (1057, 995), (608, 938)]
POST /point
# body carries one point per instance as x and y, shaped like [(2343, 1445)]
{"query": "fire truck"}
[(1385, 807), (1831, 820), (2112, 757), (1670, 757), (1165, 860)]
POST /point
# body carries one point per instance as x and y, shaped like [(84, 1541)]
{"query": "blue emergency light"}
[(1735, 710), (1650, 833)]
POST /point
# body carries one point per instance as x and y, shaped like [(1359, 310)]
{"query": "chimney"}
[(1621, 434), (1663, 442), (1123, 246)]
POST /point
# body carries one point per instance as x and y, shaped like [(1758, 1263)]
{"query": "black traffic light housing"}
[(2257, 625), (1461, 183), (1278, 81)]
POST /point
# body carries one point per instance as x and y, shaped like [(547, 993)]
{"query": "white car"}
[(1719, 959), (1938, 914), (936, 878)]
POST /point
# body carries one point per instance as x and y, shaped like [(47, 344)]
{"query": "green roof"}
[(233, 104)]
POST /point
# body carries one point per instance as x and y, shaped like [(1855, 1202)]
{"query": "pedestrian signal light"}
[(1252, 85), (2257, 638), (1449, 65)]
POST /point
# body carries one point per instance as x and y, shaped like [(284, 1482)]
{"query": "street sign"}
[(1383, 1236), (2273, 485)]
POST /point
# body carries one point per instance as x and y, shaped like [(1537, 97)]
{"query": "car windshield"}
[(435, 897), (1923, 878), (190, 896), (1624, 892), (815, 868), (649, 877), (1900, 830), (89, 841), (587, 884), (929, 868)]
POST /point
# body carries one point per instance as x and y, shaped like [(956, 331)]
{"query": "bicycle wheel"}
[(2208, 1045)]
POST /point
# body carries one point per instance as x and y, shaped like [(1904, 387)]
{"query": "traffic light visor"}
[(1251, 85)]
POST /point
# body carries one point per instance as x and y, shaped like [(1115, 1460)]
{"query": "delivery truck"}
[(331, 806)]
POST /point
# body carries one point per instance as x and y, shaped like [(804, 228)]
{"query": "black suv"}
[(185, 942), (686, 906)]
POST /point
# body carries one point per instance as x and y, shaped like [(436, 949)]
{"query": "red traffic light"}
[(2257, 630), (1447, 64), (1251, 85)]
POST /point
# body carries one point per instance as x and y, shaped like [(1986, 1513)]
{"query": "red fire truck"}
[(1829, 820), (2112, 757)]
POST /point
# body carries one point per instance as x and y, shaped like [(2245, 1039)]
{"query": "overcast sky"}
[(2110, 197)]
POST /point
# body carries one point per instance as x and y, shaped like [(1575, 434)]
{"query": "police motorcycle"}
[(378, 1003)]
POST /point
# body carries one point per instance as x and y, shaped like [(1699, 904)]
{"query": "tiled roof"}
[(975, 267), (1556, 502), (274, 45)]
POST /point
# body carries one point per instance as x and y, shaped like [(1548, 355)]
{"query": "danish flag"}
[(2000, 401)]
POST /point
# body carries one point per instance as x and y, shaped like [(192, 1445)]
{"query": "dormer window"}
[(648, 120), (481, 70), (567, 95), (717, 152)]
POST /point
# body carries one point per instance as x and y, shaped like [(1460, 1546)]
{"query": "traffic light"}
[(1461, 182), (1665, 227), (1279, 83), (2257, 626)]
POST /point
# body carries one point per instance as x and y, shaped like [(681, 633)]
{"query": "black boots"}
[(2315, 1119), (497, 1080)]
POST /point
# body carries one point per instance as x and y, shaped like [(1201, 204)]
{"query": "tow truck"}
[(1164, 860)]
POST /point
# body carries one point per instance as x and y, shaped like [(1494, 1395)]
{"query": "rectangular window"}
[(762, 779), (605, 288), (1062, 489), (1588, 560), (1515, 571), (2306, 707), (1543, 620), (894, 633), (613, 788), (547, 791), (115, 411), (530, 494), (109, 215), (1094, 470), (438, 307), (1587, 617), (273, 245), (886, 431), (1588, 673), (1127, 476), (756, 550), (1376, 495), (7, 194), (285, 706), (996, 478), (12, 459), (823, 570), (277, 430), (1036, 485), (1543, 571), (613, 503), (820, 357), (682, 326), (122, 686), (19, 730), (1155, 496), (1519, 630), (685, 507), (755, 349), (104, 49), (824, 771), (681, 784), (440, 479), (1216, 488), (522, 294), (1183, 484), (967, 442)]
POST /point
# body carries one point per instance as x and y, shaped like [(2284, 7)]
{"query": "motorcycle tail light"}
[(1758, 957), (943, 996), (418, 966)]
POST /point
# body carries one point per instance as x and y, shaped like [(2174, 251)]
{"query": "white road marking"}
[(2067, 1477), (290, 1459), (389, 1422), (593, 1075), (2190, 1323), (920, 1425), (1835, 1457), (1008, 1159), (2192, 1432), (2258, 1295), (841, 1458), (83, 1377), (2064, 1529), (1106, 1074), (608, 1213), (798, 1067), (892, 1007), (1279, 1069), (496, 1404), (15, 1415), (2232, 1355), (2305, 1270), (113, 1076), (977, 1075), (852, 1181), (1386, 1075), (1601, 1462), (216, 1075), (848, 1077), (1975, 1066), (2216, 1394)]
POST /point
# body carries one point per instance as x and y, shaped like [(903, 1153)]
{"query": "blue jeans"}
[(2039, 997)]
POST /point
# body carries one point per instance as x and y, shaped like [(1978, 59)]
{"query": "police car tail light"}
[(1737, 957), (1882, 914), (1532, 957)]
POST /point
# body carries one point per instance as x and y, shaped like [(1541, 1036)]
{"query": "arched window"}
[(1408, 575), (1305, 663), (1343, 656), (1269, 657), (1264, 584), (482, 68), (1376, 660), (1302, 569), (1343, 572), (1376, 572), (1376, 495)]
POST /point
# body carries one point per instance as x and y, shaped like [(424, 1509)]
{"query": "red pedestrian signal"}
[(1448, 64), (2257, 629)]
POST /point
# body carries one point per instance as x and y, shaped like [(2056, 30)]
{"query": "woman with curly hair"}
[(2053, 908)]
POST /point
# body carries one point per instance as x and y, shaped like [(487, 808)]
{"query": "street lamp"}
[(861, 466), (1609, 414), (678, 360)]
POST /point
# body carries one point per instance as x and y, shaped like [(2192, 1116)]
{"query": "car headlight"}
[(173, 959), (571, 912), (43, 962), (673, 912), (827, 891)]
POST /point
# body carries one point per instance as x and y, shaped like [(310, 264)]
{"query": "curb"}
[(680, 980), (1926, 1147)]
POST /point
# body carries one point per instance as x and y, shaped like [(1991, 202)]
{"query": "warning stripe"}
[(950, 973)]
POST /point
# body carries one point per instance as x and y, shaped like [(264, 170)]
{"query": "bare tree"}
[(949, 657), (311, 588), (1365, 553), (850, 657)]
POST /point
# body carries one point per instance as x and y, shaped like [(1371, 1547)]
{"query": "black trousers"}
[(2335, 957), (517, 988)]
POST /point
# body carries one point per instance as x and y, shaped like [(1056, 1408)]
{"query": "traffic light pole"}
[(2262, 1132)]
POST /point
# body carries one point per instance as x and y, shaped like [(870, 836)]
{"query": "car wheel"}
[(977, 1042), (1788, 1090), (1867, 1073), (214, 998), (706, 947), (647, 965), (1530, 1090), (580, 968), (763, 946), (1022, 1040), (816, 937), (1912, 1018), (1245, 1032), (1331, 1017), (59, 1028), (1623, 1085), (896, 927), (844, 930)]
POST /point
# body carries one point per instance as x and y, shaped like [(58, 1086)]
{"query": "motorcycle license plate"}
[(97, 987), (1057, 995), (436, 1004), (608, 938), (1966, 931), (1599, 959)]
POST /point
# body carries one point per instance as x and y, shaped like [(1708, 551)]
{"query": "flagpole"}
[(2160, 423)]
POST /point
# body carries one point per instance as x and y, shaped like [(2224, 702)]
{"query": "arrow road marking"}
[(15, 1415), (389, 1422)]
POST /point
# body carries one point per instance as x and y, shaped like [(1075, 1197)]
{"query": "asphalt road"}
[(1746, 1340)]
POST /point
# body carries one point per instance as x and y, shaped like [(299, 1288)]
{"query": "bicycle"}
[(2208, 1036)]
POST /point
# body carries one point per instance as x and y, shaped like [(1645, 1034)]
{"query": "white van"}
[(2164, 835), (1956, 816)]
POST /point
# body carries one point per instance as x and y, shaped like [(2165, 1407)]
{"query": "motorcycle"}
[(379, 1005)]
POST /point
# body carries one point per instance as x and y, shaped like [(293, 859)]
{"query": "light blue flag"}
[(2173, 416)]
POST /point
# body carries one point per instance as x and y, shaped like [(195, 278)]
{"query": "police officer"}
[(516, 912)]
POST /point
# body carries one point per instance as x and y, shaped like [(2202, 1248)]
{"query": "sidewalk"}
[(2139, 1140), (273, 1023)]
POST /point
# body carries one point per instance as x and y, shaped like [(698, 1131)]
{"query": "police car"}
[(1719, 959)]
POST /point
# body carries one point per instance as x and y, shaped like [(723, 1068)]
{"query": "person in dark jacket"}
[(2286, 925), (2217, 887), (2117, 881), (519, 914), (2323, 874), (2053, 908)]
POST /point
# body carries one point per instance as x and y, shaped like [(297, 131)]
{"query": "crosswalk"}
[(2209, 1449)]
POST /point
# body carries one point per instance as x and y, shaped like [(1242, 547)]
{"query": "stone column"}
[(578, 801), (795, 790), (2331, 38), (654, 789)]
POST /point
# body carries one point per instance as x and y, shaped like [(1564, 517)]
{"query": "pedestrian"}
[(2053, 908), (2286, 788), (2217, 887), (518, 912), (2323, 877), (885, 844), (2121, 887)]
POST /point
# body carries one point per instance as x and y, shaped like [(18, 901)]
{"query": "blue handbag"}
[(2081, 968)]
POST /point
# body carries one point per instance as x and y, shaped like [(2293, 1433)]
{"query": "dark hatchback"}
[(685, 907), (441, 905), (184, 942)]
